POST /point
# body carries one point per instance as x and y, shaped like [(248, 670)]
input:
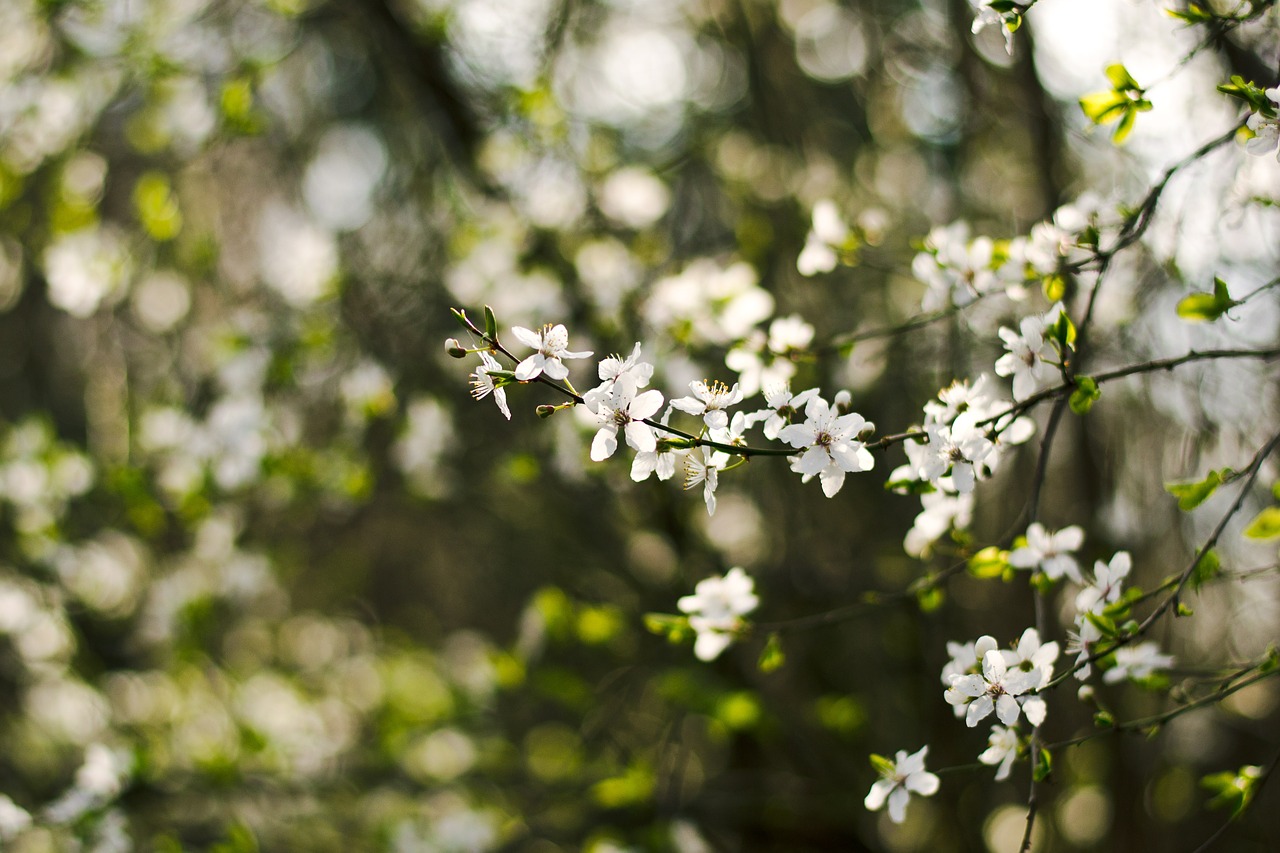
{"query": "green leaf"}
[(1103, 624), (772, 658), (990, 562), (1203, 307), (1063, 331), (461, 317), (930, 599), (1191, 494), (1265, 525), (1184, 610), (1104, 107), (1193, 15), (1250, 93), (883, 766), (840, 714), (1084, 396), (1206, 569), (490, 324), (673, 628), (1120, 78), (1044, 765), (1123, 129), (1054, 287), (1275, 490)]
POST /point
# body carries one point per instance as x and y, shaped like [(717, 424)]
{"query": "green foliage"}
[(1233, 791), (1085, 394), (772, 657), (1206, 569), (843, 715), (990, 562), (1253, 95), (1044, 765), (1265, 525), (1121, 104), (1192, 493), (1207, 307)]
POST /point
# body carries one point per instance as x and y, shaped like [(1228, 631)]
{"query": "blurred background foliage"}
[(270, 581)]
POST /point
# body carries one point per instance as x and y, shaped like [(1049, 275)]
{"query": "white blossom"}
[(482, 383), (995, 689), (906, 777), (781, 407), (965, 657), (1050, 552), (1030, 655), (985, 16), (955, 270), (618, 406), (1137, 662), (1002, 749), (1265, 129), (615, 365), (827, 234), (940, 512), (13, 819), (1029, 354), (1107, 580), (1080, 643), (710, 400), (552, 345), (958, 449), (756, 365), (831, 445), (703, 466), (716, 609)]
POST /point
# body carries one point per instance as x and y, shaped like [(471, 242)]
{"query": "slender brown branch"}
[(1166, 604)]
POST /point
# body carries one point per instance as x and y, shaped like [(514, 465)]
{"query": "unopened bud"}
[(454, 348), (546, 411), (842, 401), (867, 431)]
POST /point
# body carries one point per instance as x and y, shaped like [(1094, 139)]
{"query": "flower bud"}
[(454, 348), (546, 411), (842, 401), (867, 431)]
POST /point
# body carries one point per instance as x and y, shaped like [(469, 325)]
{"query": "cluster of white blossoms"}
[(982, 678), (957, 268), (828, 440), (966, 428), (963, 435)]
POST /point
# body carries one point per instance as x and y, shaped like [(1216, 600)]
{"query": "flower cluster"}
[(966, 428)]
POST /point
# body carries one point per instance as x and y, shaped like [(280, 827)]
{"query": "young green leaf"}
[(1206, 307), (1084, 396), (1191, 494), (490, 324), (1207, 568), (990, 562), (772, 658), (1265, 525)]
